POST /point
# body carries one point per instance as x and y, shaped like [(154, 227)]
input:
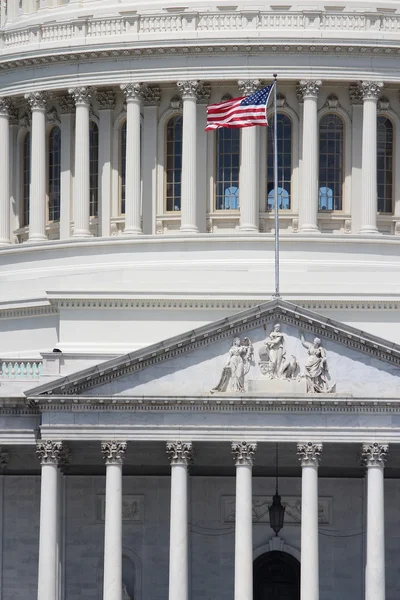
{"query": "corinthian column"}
[(106, 100), (5, 105), (37, 202), (309, 455), (50, 455), (113, 453), (374, 457), (133, 94), (243, 454), (248, 174), (180, 455), (369, 199), (82, 96), (308, 89), (188, 91)]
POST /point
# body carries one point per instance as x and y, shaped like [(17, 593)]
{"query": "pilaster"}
[(106, 100), (5, 213)]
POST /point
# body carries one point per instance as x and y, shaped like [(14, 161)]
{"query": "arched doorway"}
[(276, 576)]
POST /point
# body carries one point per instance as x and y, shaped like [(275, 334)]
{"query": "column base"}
[(82, 234), (5, 242), (308, 228), (189, 229), (248, 229), (37, 238), (133, 231), (369, 230)]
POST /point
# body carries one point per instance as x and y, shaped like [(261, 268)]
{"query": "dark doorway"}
[(276, 576)]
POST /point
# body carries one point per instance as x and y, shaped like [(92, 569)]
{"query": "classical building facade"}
[(155, 394)]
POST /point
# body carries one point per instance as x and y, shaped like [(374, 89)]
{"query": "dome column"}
[(5, 105), (37, 203), (67, 109), (151, 103), (369, 190), (248, 174), (308, 90), (133, 94), (189, 91), (82, 96), (106, 100)]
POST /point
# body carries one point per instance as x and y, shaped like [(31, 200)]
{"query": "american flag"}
[(245, 111)]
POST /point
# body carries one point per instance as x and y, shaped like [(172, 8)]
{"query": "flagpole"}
[(277, 292)]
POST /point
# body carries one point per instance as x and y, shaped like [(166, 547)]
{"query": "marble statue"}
[(237, 366), (274, 362), (316, 368), (125, 595)]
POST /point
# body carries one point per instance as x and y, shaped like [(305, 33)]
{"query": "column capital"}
[(309, 454), (204, 94), (371, 89), (180, 453), (37, 100), (106, 100), (133, 91), (113, 452), (67, 104), (51, 453), (189, 90), (248, 86), (374, 455), (243, 453), (308, 88), (151, 96), (81, 95), (5, 106), (356, 94)]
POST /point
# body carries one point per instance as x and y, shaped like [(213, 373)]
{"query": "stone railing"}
[(20, 369), (230, 25)]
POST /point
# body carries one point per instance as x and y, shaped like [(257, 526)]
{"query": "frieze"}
[(261, 514), (132, 508)]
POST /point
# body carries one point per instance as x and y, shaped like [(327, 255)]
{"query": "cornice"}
[(227, 328), (86, 301), (223, 402), (33, 58)]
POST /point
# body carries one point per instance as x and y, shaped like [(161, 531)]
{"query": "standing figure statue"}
[(238, 365), (316, 368), (274, 363)]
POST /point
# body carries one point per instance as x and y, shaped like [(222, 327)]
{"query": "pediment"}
[(247, 354)]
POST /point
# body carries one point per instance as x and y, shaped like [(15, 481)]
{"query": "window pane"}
[(384, 165), (54, 181), (331, 151), (227, 172), (284, 134), (173, 164), (94, 168), (26, 180)]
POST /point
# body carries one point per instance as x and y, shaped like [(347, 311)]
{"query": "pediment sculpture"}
[(238, 365), (274, 361), (276, 364)]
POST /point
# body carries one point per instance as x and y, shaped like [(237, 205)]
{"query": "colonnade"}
[(180, 454), (192, 92)]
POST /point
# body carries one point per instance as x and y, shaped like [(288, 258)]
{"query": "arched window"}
[(331, 153), (284, 135), (227, 169), (385, 165), (54, 180), (26, 178), (173, 162), (94, 168), (123, 167)]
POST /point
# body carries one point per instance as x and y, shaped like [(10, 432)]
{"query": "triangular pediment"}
[(209, 362)]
